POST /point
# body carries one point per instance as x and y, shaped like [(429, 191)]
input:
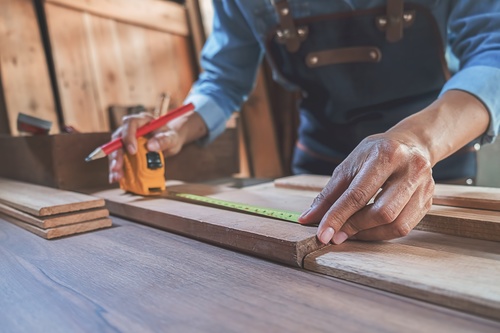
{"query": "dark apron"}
[(356, 72)]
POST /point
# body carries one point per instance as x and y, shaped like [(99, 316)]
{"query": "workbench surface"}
[(134, 278)]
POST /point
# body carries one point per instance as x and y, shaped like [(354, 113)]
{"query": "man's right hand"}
[(165, 139)]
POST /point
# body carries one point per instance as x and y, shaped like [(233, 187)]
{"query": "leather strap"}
[(287, 32), (394, 29), (344, 56)]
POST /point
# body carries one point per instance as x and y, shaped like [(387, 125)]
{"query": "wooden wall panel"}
[(114, 61), (23, 66), (156, 14), (74, 69)]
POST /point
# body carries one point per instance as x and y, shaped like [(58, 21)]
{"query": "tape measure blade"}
[(239, 207)]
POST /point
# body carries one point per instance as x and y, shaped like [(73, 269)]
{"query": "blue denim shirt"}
[(235, 48)]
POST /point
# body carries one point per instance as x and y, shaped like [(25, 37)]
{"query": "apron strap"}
[(395, 20), (288, 33)]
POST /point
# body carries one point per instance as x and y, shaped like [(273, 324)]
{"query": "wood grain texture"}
[(154, 14), (477, 197), (24, 74), (260, 134), (74, 72), (52, 221), (132, 278), (464, 222), (457, 221), (61, 231), (264, 237), (43, 201), (467, 196), (303, 182), (457, 280), (101, 61), (55, 160)]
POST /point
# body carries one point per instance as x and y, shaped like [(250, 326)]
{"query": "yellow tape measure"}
[(262, 211)]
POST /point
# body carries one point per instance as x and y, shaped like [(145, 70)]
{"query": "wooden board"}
[(272, 239), (464, 222), (464, 280), (43, 201), (61, 231), (155, 14), (24, 74), (136, 278), (102, 59), (477, 197), (52, 221)]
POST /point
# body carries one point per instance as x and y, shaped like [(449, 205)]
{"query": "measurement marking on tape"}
[(268, 212)]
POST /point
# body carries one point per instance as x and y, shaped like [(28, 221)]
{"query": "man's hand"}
[(388, 163), (398, 163), (165, 139)]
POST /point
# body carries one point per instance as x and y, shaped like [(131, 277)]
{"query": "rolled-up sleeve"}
[(474, 37), (229, 59)]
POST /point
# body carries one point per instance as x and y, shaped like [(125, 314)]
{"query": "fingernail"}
[(110, 178), (153, 145), (131, 149), (305, 212), (113, 164), (326, 236), (340, 237)]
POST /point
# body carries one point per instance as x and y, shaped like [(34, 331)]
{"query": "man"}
[(380, 108)]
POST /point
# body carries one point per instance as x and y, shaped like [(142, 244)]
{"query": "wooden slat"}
[(477, 197), (154, 14), (467, 196), (52, 221), (73, 65), (303, 182), (268, 238), (456, 280), (260, 133), (61, 231), (43, 201), (24, 74), (464, 222)]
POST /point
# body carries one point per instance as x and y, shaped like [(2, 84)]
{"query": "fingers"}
[(409, 217), (168, 142), (127, 132), (129, 129), (355, 198)]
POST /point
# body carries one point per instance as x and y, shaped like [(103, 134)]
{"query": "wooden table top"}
[(134, 278)]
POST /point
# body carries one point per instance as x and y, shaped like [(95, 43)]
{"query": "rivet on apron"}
[(382, 21), (313, 60), (407, 17), (477, 146)]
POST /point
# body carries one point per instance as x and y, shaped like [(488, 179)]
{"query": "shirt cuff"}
[(211, 113), (482, 82)]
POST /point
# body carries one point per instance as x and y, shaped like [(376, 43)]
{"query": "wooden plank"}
[(303, 182), (275, 240), (478, 197), (457, 280), (55, 160), (24, 74), (464, 222), (45, 222), (72, 61), (61, 231), (43, 201), (260, 133), (153, 14), (163, 281)]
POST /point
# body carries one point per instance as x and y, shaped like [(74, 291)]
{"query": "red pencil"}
[(117, 143)]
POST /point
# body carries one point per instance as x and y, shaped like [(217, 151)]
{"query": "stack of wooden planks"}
[(465, 211), (457, 272), (48, 212)]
